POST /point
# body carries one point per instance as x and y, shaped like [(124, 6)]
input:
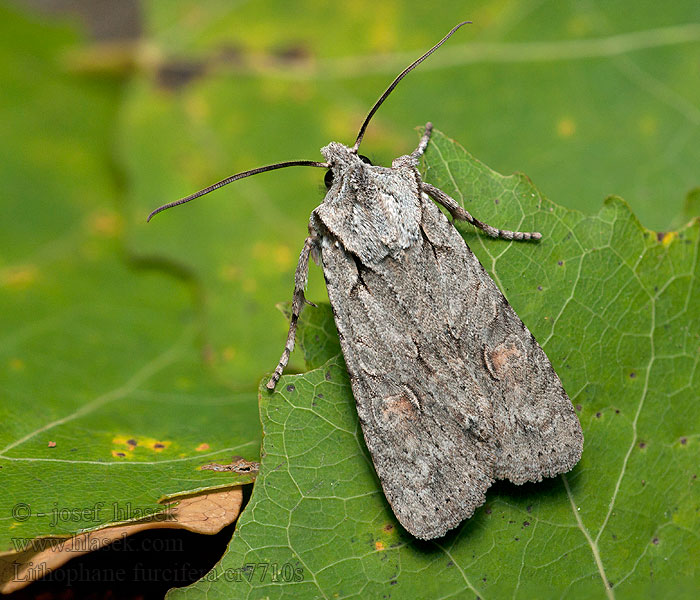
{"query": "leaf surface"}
[(106, 408), (612, 305)]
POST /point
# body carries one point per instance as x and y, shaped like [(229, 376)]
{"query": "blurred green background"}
[(112, 108)]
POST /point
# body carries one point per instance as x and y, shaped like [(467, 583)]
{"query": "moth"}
[(453, 391)]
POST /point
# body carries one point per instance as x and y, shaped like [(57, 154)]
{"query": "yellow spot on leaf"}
[(486, 15), (202, 447), (566, 127), (197, 108), (16, 364), (277, 254), (648, 125), (379, 546), (579, 26), (125, 444), (229, 353), (383, 33), (283, 257), (249, 285), (105, 224), (334, 123), (19, 278), (667, 238)]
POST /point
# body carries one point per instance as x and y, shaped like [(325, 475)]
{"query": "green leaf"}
[(613, 305), (106, 409)]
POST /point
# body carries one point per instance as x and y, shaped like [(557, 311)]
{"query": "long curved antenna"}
[(394, 83), (237, 176)]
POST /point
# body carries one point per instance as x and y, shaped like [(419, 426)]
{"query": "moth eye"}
[(328, 177)]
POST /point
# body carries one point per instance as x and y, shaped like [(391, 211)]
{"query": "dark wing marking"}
[(452, 390)]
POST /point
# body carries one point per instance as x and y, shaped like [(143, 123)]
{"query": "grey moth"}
[(452, 390)]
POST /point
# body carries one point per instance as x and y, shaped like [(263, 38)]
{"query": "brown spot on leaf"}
[(238, 464), (655, 541), (388, 527), (132, 442), (642, 445), (296, 53), (176, 74), (684, 441)]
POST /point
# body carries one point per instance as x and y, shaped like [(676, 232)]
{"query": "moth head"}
[(341, 159)]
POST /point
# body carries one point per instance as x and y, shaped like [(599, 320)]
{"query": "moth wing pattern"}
[(452, 390)]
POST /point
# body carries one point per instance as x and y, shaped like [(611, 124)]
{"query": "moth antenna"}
[(394, 83), (236, 177)]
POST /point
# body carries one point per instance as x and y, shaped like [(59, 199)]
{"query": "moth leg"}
[(458, 212), (298, 301), (423, 144)]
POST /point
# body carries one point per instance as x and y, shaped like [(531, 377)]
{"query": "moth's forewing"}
[(452, 390)]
